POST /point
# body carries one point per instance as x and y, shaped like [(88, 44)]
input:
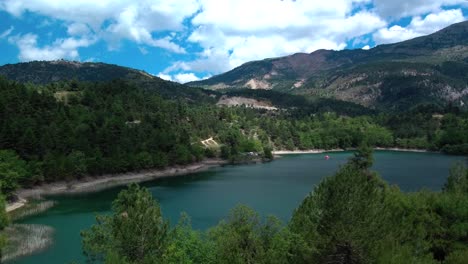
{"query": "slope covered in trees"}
[(350, 217), (64, 131), (48, 72)]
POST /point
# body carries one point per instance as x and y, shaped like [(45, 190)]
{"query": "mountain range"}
[(427, 69), (431, 69)]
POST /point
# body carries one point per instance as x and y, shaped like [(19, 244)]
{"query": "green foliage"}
[(186, 245), (341, 217), (4, 220), (136, 230), (457, 257), (78, 164), (3, 215), (363, 158), (267, 153), (457, 182), (242, 238), (288, 247), (12, 171)]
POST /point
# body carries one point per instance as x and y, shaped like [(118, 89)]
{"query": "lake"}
[(274, 188)]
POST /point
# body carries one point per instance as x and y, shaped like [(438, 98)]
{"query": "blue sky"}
[(185, 40)]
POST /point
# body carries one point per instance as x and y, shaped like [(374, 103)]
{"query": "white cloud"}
[(186, 77), (230, 32), (236, 31), (151, 14), (114, 20), (419, 26), (166, 77), (7, 32), (404, 8), (366, 47), (61, 49), (78, 29), (183, 77)]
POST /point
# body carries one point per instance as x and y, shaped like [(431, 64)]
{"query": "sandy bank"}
[(308, 151), (317, 151), (408, 150), (94, 184), (16, 205)]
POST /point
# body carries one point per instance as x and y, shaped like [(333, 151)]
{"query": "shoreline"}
[(318, 151), (408, 150), (106, 181), (16, 205), (308, 151)]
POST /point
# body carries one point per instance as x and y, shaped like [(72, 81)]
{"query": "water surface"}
[(270, 188)]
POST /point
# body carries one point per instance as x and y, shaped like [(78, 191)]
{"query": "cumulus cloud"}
[(227, 33), (166, 77), (78, 29), (151, 14), (236, 31), (61, 49), (114, 20), (183, 77), (186, 77), (419, 26), (404, 8)]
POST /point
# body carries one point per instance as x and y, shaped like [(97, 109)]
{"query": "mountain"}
[(428, 69), (45, 72)]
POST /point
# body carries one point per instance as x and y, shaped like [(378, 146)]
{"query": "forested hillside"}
[(49, 72), (64, 131)]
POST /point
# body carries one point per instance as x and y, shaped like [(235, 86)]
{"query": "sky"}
[(187, 40)]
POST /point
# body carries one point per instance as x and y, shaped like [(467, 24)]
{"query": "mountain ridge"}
[(46, 72), (429, 69), (53, 72)]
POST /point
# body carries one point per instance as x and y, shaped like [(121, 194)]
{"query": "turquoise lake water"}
[(274, 188)]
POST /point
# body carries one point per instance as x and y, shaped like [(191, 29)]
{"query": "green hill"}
[(46, 72)]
